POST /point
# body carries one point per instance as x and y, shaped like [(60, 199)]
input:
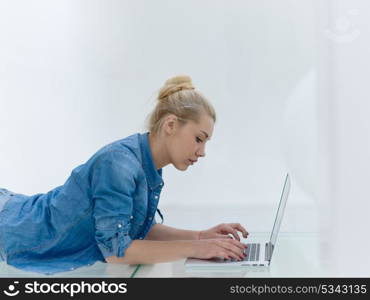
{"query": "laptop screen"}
[(279, 215)]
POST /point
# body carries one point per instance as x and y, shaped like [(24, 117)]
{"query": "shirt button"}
[(72, 269), (141, 238), (119, 225), (131, 217), (156, 197)]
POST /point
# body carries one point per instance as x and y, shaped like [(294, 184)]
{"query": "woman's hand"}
[(223, 231), (222, 248)]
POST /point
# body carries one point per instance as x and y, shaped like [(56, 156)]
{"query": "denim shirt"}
[(103, 206)]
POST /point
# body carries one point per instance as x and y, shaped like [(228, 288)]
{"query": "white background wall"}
[(289, 80), (76, 75), (343, 96)]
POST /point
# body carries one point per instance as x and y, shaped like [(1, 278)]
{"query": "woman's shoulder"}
[(118, 156), (123, 154), (129, 146)]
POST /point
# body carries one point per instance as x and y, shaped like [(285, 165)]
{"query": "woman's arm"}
[(160, 232), (151, 252)]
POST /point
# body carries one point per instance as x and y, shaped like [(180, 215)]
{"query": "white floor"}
[(295, 255), (99, 269), (255, 219)]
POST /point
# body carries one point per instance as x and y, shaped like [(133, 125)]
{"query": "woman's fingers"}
[(240, 228), (238, 244), (233, 248), (223, 236), (227, 228), (232, 228)]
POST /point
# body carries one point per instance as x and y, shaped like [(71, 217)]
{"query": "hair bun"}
[(175, 84)]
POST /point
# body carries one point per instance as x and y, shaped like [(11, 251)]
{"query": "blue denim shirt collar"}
[(154, 176)]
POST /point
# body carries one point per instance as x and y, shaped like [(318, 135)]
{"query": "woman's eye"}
[(199, 140)]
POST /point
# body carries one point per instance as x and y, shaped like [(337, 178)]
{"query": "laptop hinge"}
[(269, 248)]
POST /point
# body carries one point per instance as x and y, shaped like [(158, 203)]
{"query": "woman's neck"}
[(159, 152)]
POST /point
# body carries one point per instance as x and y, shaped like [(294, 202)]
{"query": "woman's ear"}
[(170, 124)]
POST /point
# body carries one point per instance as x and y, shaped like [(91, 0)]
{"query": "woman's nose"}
[(201, 152)]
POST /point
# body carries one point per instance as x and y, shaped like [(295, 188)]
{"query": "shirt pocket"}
[(137, 222)]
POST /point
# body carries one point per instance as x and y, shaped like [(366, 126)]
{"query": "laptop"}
[(257, 254)]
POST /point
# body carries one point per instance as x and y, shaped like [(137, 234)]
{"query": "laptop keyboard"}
[(252, 252)]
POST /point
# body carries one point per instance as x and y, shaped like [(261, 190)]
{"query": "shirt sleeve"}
[(113, 187)]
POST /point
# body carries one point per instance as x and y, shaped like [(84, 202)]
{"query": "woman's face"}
[(187, 142)]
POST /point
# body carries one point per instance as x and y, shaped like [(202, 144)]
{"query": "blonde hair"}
[(178, 96)]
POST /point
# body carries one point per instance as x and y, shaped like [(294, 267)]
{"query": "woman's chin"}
[(181, 167)]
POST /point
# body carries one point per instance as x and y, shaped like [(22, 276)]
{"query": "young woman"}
[(105, 210)]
